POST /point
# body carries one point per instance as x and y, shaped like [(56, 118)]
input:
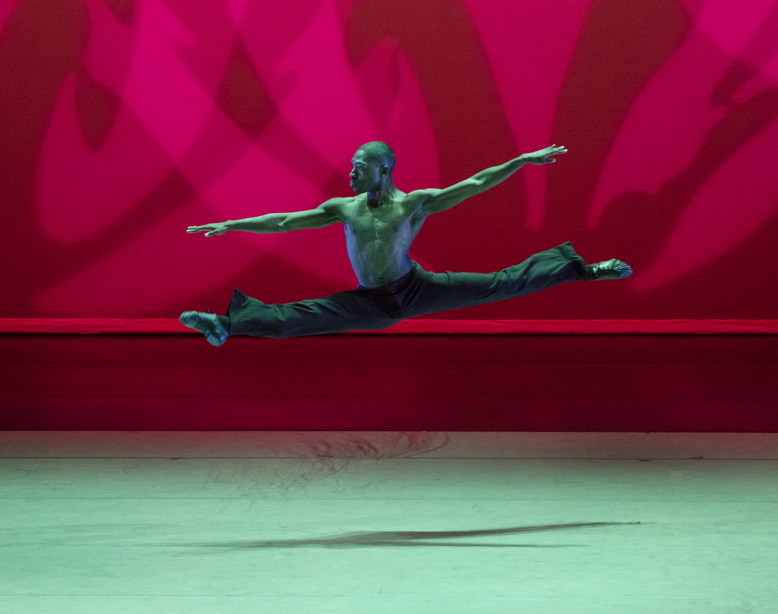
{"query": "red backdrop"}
[(125, 121)]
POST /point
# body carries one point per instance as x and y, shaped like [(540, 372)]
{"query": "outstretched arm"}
[(441, 200), (325, 214)]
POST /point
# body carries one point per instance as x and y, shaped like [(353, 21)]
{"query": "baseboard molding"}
[(166, 326), (488, 382)]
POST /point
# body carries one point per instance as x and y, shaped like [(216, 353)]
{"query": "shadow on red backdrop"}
[(125, 122)]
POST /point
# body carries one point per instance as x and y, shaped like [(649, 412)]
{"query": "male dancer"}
[(381, 223)]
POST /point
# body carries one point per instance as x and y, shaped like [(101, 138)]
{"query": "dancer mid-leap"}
[(381, 223)]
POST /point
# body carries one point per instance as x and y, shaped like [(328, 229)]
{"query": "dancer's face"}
[(366, 173)]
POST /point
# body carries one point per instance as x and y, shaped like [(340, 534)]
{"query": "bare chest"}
[(383, 224)]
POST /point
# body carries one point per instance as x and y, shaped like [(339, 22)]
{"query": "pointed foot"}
[(609, 269), (206, 323)]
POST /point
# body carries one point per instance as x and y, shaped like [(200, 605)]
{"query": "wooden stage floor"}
[(388, 522)]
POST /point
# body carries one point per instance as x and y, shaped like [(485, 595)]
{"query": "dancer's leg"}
[(352, 310), (417, 293), (444, 291)]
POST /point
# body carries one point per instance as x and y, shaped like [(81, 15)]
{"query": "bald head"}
[(380, 152), (371, 169)]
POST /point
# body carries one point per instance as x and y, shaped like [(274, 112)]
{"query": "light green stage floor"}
[(400, 523)]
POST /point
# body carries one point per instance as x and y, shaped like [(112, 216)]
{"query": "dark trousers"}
[(417, 293)]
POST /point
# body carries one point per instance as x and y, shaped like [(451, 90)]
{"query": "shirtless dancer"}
[(381, 223)]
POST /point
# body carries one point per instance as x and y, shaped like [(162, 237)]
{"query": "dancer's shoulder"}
[(341, 207), (338, 202)]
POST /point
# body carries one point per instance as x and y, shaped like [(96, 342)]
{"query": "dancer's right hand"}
[(210, 229)]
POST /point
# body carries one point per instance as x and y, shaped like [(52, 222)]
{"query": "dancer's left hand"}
[(544, 156)]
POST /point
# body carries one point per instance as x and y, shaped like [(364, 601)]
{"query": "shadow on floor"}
[(413, 538)]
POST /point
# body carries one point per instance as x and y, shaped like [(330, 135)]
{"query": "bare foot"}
[(206, 323), (610, 269)]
